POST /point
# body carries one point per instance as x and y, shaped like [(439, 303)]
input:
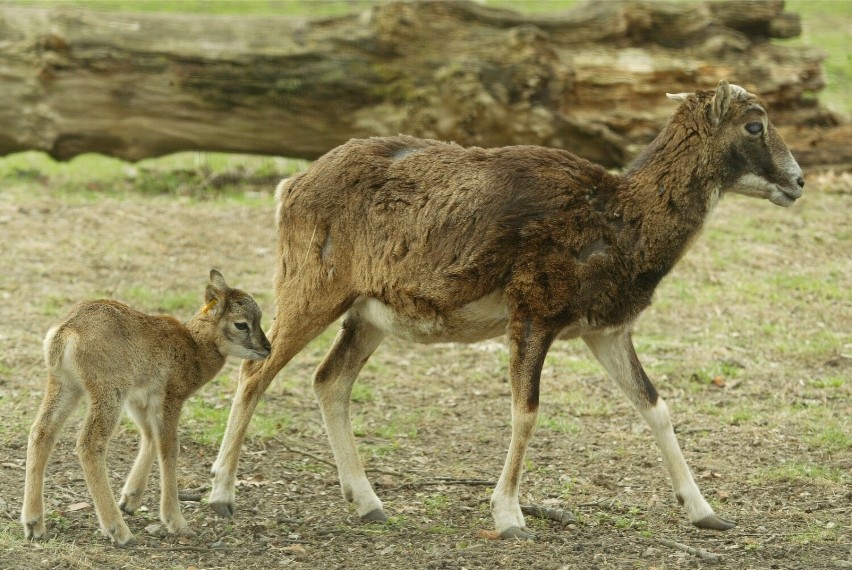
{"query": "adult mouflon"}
[(433, 242)]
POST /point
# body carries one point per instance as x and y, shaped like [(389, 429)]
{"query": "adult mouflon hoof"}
[(714, 522), (518, 533), (376, 515), (224, 510)]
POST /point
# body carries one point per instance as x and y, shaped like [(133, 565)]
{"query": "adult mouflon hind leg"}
[(333, 381)]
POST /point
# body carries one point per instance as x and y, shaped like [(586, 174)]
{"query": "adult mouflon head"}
[(746, 150)]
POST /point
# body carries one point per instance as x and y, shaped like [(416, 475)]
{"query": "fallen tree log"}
[(591, 79)]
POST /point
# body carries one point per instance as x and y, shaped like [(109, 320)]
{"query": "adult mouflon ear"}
[(720, 103)]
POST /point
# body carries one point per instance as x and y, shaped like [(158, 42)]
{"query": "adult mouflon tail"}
[(430, 241)]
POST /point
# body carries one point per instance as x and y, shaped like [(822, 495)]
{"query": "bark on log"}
[(591, 80)]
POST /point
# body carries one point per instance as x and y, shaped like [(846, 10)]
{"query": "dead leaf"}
[(79, 506), (719, 381), (488, 534), (295, 549)]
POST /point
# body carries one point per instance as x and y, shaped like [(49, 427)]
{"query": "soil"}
[(751, 400)]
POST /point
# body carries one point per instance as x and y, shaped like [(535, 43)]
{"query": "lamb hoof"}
[(376, 515), (518, 533), (185, 532), (34, 529), (714, 522), (224, 510), (128, 542)]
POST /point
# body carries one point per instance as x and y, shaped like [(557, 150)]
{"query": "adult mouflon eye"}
[(754, 128), (241, 326)]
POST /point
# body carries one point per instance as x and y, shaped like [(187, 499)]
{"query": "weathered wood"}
[(591, 79)]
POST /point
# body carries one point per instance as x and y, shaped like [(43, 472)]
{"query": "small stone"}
[(153, 528), (651, 551)]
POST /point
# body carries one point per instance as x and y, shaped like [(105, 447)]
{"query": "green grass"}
[(316, 8), (54, 306), (832, 439), (89, 177), (558, 424), (362, 393), (793, 471), (830, 532), (436, 505), (171, 302), (827, 24), (828, 383)]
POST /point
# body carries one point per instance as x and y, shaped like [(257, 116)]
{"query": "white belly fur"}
[(480, 320)]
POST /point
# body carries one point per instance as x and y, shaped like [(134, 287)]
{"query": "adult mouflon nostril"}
[(801, 181)]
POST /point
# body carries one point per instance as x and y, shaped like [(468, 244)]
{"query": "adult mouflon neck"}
[(668, 193)]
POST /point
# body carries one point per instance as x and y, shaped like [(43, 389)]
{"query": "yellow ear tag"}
[(206, 308)]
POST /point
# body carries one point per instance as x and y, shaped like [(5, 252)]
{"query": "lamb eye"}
[(241, 326), (754, 128)]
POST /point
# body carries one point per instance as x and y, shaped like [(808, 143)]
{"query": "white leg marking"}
[(684, 486), (505, 507)]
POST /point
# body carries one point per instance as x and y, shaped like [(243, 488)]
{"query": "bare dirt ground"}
[(748, 341)]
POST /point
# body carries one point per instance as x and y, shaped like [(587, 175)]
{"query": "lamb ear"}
[(679, 97), (720, 103), (217, 280), (214, 295)]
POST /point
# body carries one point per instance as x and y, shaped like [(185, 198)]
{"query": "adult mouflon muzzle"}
[(787, 192)]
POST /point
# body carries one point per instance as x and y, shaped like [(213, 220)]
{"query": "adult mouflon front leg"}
[(254, 379), (617, 355), (529, 345)]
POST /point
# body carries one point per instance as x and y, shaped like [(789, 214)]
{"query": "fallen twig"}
[(191, 497), (540, 512), (597, 503), (447, 481), (194, 495), (310, 455), (189, 548), (699, 552)]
